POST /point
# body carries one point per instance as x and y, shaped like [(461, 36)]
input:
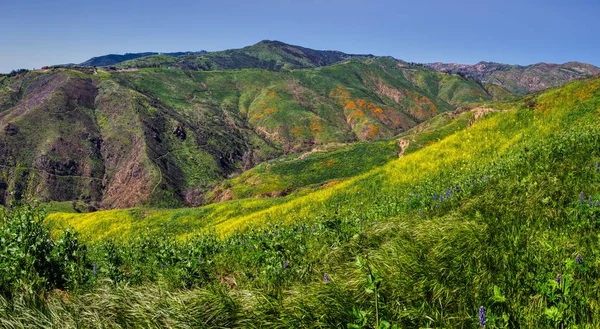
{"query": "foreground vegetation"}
[(499, 219)]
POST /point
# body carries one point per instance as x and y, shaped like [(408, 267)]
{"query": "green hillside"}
[(500, 217), (329, 165), (166, 137)]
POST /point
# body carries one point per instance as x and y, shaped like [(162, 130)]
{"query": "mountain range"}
[(176, 129)]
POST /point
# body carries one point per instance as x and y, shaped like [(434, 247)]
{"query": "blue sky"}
[(37, 33)]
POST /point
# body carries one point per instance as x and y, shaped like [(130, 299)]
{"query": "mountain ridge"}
[(520, 79)]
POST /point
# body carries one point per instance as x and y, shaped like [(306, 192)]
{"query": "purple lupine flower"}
[(95, 269), (284, 264), (435, 197), (326, 278), (482, 317), (558, 279), (579, 259), (442, 199), (581, 197), (163, 266), (596, 166), (448, 193), (591, 201)]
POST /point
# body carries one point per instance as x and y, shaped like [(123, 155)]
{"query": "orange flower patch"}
[(356, 114), (372, 131), (297, 131), (316, 126), (350, 105)]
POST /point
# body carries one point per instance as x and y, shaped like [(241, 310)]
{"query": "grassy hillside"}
[(163, 137), (500, 218), (329, 165), (388, 188)]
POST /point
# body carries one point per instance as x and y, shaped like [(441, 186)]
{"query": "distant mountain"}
[(113, 59), (267, 54), (520, 79)]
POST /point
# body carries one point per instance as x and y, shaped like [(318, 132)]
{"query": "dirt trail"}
[(403, 143)]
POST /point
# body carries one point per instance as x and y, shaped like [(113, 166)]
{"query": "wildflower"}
[(163, 266), (284, 264), (579, 259), (482, 317), (448, 193), (591, 201), (435, 197), (95, 269), (326, 278), (596, 166), (558, 279), (581, 197), (420, 212)]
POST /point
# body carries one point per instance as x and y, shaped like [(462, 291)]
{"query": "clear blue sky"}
[(36, 33)]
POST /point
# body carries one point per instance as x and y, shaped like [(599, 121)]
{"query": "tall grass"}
[(503, 215)]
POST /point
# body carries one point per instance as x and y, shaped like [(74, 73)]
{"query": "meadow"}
[(493, 224)]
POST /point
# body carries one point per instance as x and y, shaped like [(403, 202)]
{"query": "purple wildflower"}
[(163, 266), (482, 317), (596, 166), (581, 197), (95, 269), (448, 193), (326, 278), (284, 264), (558, 279), (579, 259), (591, 201), (435, 197)]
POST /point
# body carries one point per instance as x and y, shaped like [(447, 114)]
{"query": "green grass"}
[(476, 147), (489, 215)]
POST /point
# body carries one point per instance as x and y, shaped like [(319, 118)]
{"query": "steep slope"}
[(520, 79), (271, 55), (165, 137), (462, 162), (328, 165)]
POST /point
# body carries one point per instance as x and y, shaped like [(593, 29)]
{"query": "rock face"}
[(520, 79)]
